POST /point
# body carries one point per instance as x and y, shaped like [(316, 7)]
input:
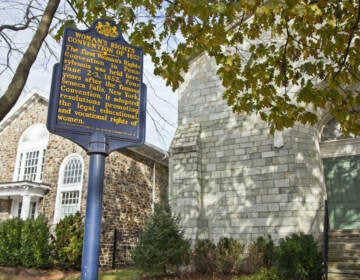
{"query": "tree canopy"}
[(281, 59), (284, 60)]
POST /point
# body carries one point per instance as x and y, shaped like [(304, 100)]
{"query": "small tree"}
[(162, 246), (68, 242)]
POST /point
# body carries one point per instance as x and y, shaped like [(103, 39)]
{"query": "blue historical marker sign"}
[(97, 88), (97, 100)]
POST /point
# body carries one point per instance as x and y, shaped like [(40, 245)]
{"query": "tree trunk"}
[(11, 95)]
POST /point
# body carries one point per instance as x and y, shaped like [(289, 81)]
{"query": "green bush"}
[(68, 242), (10, 242), (204, 257), (24, 243), (35, 247), (265, 245), (162, 247), (298, 258), (229, 255), (262, 274), (260, 254)]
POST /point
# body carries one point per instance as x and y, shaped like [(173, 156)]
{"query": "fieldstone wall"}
[(127, 202), (128, 182), (10, 136), (227, 178)]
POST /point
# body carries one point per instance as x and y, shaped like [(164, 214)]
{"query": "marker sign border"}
[(115, 140)]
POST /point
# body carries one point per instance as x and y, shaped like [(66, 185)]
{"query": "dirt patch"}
[(21, 273)]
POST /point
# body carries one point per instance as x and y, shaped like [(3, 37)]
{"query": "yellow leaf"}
[(263, 10), (316, 9), (229, 61)]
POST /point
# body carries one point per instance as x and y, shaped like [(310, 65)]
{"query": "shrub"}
[(10, 242), (204, 257), (299, 258), (68, 242), (265, 245), (260, 254), (35, 247), (229, 255), (24, 243), (162, 246), (254, 259), (262, 274)]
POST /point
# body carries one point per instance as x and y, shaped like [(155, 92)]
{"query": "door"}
[(342, 178)]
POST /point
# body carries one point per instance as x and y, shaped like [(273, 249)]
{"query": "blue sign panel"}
[(97, 88)]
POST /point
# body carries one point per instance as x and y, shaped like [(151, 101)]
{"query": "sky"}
[(161, 120)]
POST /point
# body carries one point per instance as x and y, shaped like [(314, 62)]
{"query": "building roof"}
[(147, 150)]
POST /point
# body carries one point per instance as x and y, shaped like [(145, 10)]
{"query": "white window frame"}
[(67, 187), (27, 147), (15, 211)]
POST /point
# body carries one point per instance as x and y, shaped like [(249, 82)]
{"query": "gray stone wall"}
[(127, 193), (226, 176)]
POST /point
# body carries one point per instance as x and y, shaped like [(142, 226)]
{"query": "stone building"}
[(230, 177), (42, 173)]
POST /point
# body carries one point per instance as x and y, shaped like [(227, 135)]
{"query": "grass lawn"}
[(19, 273), (122, 274)]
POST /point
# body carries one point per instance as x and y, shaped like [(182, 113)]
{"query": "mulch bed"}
[(21, 273)]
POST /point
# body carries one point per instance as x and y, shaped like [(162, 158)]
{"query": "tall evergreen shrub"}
[(35, 246), (10, 242), (25, 243), (162, 247)]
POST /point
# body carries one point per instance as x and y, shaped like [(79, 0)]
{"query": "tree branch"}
[(19, 79), (351, 37)]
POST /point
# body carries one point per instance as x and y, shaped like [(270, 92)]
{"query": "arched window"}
[(31, 154), (69, 187)]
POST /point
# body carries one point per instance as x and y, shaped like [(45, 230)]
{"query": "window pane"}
[(42, 164), (32, 210), (30, 167), (69, 203), (73, 171)]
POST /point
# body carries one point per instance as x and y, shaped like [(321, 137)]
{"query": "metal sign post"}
[(98, 101), (91, 245)]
